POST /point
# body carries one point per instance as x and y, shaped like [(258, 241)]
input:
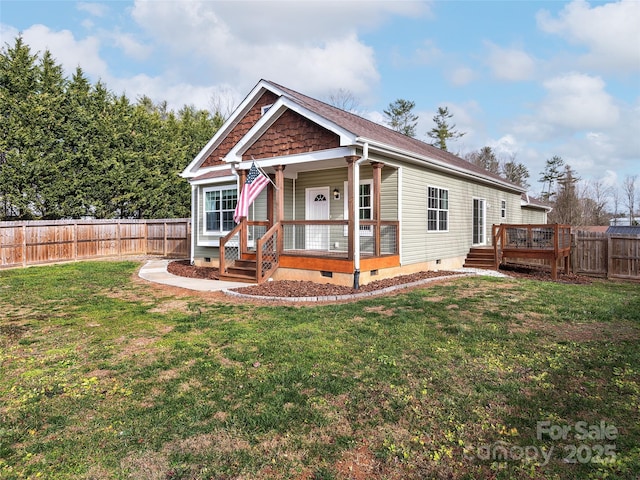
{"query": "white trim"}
[(216, 188), (438, 210), (503, 201), (483, 237), (213, 181), (399, 214)]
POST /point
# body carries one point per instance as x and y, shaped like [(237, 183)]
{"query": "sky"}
[(531, 79)]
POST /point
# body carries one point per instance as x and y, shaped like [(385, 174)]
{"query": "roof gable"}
[(248, 130), (290, 134), (239, 130)]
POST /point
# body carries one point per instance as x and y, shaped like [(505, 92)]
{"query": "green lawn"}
[(103, 377)]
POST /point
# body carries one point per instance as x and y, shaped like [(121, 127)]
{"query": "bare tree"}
[(595, 197), (629, 190), (567, 206), (221, 104), (344, 100), (615, 201)]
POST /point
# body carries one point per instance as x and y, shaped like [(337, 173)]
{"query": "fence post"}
[(75, 241), (609, 264), (146, 237), (164, 242), (119, 238), (24, 245)]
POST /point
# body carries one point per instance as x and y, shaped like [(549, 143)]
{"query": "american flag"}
[(256, 181)]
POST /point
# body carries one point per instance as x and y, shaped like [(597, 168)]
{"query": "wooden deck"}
[(540, 241)]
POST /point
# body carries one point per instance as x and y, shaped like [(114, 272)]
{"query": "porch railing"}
[(331, 238), (267, 255), (231, 248)]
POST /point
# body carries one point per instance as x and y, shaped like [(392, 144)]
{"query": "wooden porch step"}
[(480, 257), (241, 271)]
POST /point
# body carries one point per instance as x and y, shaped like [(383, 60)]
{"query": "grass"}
[(102, 377)]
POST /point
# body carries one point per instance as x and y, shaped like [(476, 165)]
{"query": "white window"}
[(365, 206), (503, 209), (218, 209), (437, 209)]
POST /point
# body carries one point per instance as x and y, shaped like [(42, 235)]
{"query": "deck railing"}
[(545, 241)]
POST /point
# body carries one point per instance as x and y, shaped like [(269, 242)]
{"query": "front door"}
[(478, 221), (317, 208)]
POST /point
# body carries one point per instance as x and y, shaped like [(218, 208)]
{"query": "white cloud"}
[(510, 64), (308, 45), (578, 102), (461, 76), (427, 54), (175, 94), (130, 45), (609, 31), (95, 9), (67, 50)]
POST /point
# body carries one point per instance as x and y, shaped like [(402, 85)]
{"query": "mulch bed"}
[(183, 268), (296, 288), (544, 274)]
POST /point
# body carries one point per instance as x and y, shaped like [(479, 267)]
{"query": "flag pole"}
[(263, 172)]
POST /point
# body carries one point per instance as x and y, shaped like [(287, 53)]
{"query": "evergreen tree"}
[(443, 131), (485, 158), (400, 117), (567, 206), (19, 141), (70, 149), (551, 174), (516, 173)]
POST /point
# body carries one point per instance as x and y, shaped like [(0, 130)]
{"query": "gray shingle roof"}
[(366, 128)]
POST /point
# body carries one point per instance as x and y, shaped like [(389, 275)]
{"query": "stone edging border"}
[(349, 296)]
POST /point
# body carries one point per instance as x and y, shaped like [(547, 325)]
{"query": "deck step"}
[(480, 257)]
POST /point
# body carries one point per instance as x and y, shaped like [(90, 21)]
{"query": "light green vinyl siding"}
[(533, 215), (332, 178), (419, 245)]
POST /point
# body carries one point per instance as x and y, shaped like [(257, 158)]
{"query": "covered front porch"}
[(361, 241)]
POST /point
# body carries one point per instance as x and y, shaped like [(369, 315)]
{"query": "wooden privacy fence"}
[(606, 255), (43, 241)]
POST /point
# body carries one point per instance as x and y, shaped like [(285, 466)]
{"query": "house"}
[(351, 201)]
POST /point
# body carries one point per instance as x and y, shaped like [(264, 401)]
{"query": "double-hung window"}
[(503, 209), (365, 206), (219, 207), (437, 209)]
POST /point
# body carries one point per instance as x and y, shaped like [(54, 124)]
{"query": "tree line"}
[(73, 149), (573, 202)]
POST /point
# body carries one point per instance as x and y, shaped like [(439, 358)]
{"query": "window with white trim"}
[(218, 209), (365, 206), (437, 209), (503, 209)]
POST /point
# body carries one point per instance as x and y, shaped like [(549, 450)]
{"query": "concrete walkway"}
[(156, 271)]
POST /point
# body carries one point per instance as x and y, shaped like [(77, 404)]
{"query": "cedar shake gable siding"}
[(292, 134), (239, 130)]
